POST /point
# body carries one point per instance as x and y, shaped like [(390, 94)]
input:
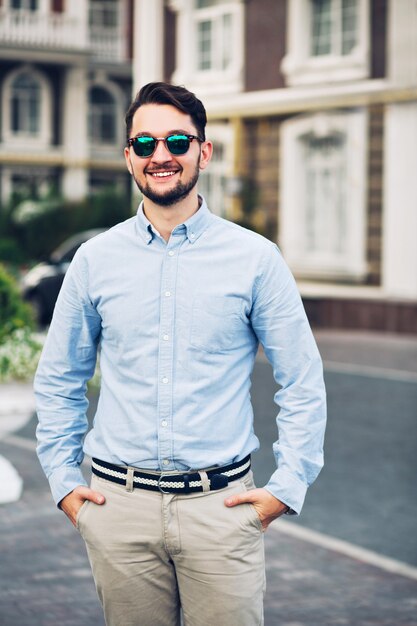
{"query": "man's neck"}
[(166, 218)]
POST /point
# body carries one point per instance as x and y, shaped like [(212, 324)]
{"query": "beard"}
[(172, 196)]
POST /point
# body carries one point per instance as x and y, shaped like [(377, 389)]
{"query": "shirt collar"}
[(194, 226)]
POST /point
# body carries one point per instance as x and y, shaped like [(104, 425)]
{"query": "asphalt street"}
[(349, 559), (366, 492)]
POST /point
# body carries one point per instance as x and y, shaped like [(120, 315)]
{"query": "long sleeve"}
[(280, 323), (67, 363)]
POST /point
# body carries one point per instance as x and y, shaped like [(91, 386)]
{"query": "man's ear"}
[(206, 154), (128, 162)]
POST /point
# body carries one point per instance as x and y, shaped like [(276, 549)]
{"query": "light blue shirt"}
[(178, 324)]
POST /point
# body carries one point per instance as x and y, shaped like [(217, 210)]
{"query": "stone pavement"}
[(311, 580)]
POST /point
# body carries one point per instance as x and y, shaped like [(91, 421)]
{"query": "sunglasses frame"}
[(131, 141)]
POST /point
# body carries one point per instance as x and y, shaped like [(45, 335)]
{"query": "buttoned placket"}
[(166, 350)]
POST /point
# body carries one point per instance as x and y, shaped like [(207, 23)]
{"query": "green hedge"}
[(14, 313), (10, 251), (30, 229)]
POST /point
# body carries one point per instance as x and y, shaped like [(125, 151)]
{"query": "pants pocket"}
[(80, 513)]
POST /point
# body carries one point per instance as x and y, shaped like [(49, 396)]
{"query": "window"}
[(28, 5), (22, 182), (328, 40), (334, 27), (325, 193), (214, 30), (214, 182), (104, 14), (209, 45), (323, 183), (103, 113), (25, 105), (26, 101)]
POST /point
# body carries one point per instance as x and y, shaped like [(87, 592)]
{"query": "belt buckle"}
[(182, 477), (159, 483)]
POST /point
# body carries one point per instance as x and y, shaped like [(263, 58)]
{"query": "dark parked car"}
[(41, 285)]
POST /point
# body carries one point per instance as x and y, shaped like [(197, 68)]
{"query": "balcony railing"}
[(59, 31), (107, 44), (50, 30)]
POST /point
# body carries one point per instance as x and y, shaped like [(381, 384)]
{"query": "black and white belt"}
[(166, 482)]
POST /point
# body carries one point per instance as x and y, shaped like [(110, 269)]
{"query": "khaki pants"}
[(153, 553)]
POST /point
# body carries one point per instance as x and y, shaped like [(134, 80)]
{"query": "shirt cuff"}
[(289, 489), (63, 480)]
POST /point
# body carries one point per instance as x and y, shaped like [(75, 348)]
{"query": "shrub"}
[(10, 251), (41, 225), (19, 355), (14, 313)]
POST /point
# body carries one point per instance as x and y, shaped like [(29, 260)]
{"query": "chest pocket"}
[(215, 322)]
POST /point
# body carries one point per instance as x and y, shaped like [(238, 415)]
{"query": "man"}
[(178, 300)]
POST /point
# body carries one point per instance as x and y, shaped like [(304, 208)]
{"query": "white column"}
[(6, 185), (402, 42), (399, 269), (148, 42), (78, 11), (44, 7), (185, 45), (400, 158), (75, 138)]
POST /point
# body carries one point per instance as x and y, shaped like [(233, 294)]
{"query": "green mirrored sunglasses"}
[(177, 144)]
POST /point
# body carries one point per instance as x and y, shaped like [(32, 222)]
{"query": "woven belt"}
[(189, 482)]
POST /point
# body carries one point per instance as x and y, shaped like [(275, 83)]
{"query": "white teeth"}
[(163, 174)]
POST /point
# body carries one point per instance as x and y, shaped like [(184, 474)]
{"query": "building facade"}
[(65, 82), (312, 108)]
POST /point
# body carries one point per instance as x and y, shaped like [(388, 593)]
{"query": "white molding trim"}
[(28, 140), (348, 262), (301, 68), (297, 99)]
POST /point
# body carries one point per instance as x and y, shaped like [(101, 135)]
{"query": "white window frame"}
[(351, 263), (301, 68), (220, 134), (43, 138), (102, 148), (211, 81), (43, 6), (42, 175)]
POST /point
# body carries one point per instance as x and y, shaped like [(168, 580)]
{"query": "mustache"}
[(162, 168)]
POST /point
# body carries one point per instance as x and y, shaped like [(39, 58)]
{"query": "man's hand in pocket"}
[(73, 502)]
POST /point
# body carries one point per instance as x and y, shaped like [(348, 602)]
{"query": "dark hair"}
[(179, 97)]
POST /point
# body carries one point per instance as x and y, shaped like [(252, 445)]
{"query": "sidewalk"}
[(312, 580)]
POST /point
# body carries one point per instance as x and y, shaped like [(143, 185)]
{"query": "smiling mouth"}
[(165, 174)]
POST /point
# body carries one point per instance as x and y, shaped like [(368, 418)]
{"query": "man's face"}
[(164, 178)]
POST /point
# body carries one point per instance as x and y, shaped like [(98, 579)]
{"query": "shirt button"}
[(165, 380), (192, 236), (165, 462), (167, 293), (164, 423), (171, 253), (165, 337)]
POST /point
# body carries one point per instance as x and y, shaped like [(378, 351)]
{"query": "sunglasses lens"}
[(144, 146), (178, 144)]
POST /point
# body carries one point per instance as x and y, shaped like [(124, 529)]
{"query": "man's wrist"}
[(289, 511)]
